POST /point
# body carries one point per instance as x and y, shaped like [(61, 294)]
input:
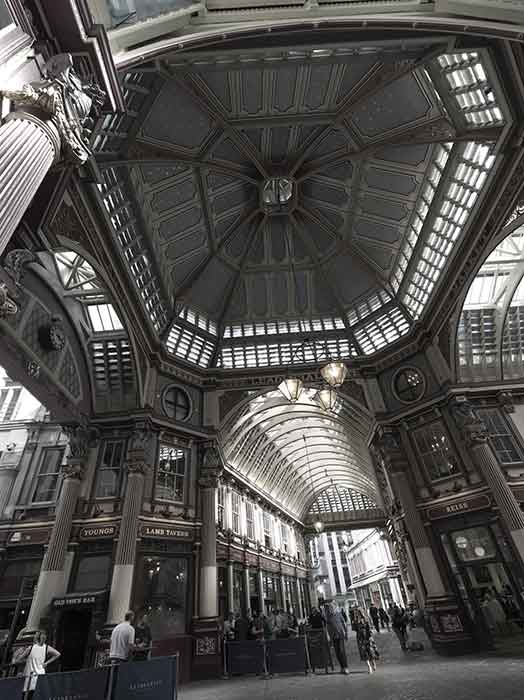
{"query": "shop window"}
[(268, 540), (474, 544), (109, 473), (235, 512), (14, 571), (162, 591), (250, 520), (435, 451), (92, 573), (501, 438), (48, 476), (171, 474)]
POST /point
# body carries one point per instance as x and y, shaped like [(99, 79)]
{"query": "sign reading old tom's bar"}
[(458, 507), (165, 532)]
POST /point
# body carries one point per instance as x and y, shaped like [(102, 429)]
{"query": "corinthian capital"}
[(211, 465), (473, 430), (67, 101)]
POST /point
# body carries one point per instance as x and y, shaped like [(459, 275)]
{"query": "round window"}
[(409, 385), (176, 403)]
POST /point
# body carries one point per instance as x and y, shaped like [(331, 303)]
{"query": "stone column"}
[(208, 482), (230, 588), (48, 124), (247, 592), (282, 592), (137, 465), (397, 466), (475, 436), (301, 609), (260, 590), (52, 581)]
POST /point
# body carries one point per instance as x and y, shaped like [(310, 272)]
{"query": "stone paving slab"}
[(412, 676)]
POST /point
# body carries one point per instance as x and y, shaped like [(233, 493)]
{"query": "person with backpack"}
[(39, 656), (399, 623)]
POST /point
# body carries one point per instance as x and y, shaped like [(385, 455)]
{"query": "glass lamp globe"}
[(327, 398), (319, 526), (334, 373), (291, 388)]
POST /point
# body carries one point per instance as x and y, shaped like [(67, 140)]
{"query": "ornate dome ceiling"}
[(260, 192)]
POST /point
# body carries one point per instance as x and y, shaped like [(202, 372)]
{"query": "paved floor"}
[(413, 676)]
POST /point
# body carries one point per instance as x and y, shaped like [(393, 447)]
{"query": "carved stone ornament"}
[(7, 306), (67, 101), (211, 468), (472, 428), (137, 466), (52, 336), (15, 262), (73, 470), (80, 439), (505, 400)]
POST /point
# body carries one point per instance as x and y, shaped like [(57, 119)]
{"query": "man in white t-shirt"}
[(122, 640)]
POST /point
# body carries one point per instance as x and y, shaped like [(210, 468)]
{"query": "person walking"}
[(39, 656), (337, 631), (399, 623), (373, 614), (123, 640), (384, 618), (367, 647), (143, 639)]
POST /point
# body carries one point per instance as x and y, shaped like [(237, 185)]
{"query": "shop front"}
[(75, 619), (482, 566)]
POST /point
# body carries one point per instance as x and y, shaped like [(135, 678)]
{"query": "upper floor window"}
[(48, 476), (284, 536), (250, 520), (109, 474), (266, 522), (501, 438), (173, 467), (235, 512), (220, 505), (435, 451), (8, 401)]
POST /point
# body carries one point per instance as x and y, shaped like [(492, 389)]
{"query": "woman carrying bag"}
[(39, 656)]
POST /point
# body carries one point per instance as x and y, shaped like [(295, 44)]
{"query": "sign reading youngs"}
[(147, 680)]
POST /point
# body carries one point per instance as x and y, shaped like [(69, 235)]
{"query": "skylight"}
[(281, 354), (382, 331), (470, 86), (197, 319), (124, 225), (103, 317), (76, 273), (245, 330), (189, 346), (461, 188)]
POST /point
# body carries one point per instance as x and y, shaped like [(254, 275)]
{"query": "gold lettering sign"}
[(97, 532), (157, 531), (458, 507)]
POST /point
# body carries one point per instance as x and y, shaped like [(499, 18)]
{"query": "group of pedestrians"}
[(279, 624), (130, 641)]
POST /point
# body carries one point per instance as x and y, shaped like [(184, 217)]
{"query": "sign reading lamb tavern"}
[(458, 507), (164, 532)]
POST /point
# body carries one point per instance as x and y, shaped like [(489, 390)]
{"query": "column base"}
[(448, 627), (207, 649)]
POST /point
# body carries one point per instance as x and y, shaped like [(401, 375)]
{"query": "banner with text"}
[(12, 688), (245, 657), (87, 685), (286, 655), (147, 680)]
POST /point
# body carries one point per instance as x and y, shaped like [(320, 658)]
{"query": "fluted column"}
[(397, 466), (208, 482), (260, 590), (52, 581), (48, 125), (301, 609), (247, 593), (230, 588), (475, 436)]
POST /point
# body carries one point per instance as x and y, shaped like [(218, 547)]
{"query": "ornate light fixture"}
[(334, 373), (327, 398), (291, 388), (319, 526)]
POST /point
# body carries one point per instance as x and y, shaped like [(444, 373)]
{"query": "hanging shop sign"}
[(466, 505), (164, 532), (74, 601), (97, 532)]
